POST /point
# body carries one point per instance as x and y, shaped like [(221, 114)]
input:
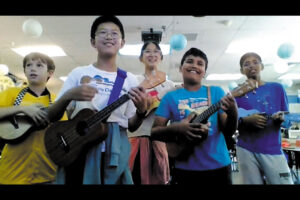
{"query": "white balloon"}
[(32, 28)]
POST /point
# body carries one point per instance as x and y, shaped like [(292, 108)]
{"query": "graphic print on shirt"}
[(104, 87), (197, 105)]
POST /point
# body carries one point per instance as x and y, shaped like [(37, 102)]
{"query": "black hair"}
[(246, 55), (145, 46), (197, 53), (103, 19)]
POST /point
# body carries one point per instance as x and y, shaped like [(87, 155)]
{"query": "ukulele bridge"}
[(64, 144)]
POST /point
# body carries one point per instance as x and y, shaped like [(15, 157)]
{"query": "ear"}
[(180, 68), (122, 43), (262, 66), (241, 70), (50, 74), (92, 42)]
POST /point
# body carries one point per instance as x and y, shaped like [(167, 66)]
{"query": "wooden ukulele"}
[(64, 140), (182, 149)]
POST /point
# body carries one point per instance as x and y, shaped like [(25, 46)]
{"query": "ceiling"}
[(212, 34)]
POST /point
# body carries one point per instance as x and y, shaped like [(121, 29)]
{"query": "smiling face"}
[(151, 56), (108, 39), (251, 67), (36, 72), (193, 70)]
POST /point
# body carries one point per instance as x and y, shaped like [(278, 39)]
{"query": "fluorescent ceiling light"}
[(260, 46), (223, 77), (281, 66), (290, 76), (50, 50), (135, 49)]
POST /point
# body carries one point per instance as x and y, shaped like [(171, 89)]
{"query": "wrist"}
[(141, 115)]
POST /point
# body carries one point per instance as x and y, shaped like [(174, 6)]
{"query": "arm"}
[(183, 130), (80, 93), (139, 97), (34, 111), (229, 119)]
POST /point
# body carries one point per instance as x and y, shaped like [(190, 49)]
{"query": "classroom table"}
[(294, 160)]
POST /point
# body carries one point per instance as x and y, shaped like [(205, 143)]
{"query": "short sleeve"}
[(163, 109)]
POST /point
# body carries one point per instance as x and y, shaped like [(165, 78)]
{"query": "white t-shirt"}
[(103, 81), (158, 91)]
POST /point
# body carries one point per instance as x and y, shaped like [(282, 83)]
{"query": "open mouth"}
[(193, 71), (108, 44), (33, 75)]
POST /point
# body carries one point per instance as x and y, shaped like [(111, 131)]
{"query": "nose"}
[(109, 35)]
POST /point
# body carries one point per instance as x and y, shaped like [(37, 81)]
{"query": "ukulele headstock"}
[(248, 86)]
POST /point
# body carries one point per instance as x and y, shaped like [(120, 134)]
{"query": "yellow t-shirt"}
[(26, 162)]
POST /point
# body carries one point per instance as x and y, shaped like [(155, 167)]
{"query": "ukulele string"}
[(71, 135)]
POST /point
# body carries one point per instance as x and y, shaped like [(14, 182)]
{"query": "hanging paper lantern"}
[(232, 85), (32, 28), (178, 42), (285, 50), (286, 83)]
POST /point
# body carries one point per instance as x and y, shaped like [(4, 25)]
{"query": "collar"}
[(45, 92)]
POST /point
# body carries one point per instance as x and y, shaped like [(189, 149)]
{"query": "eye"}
[(116, 34), (200, 63), (246, 64)]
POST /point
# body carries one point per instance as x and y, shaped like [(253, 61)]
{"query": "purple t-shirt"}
[(269, 98)]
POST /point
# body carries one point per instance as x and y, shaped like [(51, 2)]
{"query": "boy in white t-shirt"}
[(90, 87)]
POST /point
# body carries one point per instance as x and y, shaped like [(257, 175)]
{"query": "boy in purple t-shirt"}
[(261, 113)]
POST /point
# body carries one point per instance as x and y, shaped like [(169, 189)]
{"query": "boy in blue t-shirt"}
[(207, 161), (259, 149)]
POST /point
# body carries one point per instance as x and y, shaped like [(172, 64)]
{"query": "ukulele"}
[(14, 129), (64, 140), (182, 149)]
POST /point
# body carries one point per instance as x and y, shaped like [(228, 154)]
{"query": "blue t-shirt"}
[(269, 98), (176, 105)]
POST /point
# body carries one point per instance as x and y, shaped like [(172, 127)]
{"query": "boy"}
[(208, 162), (259, 149), (91, 86), (27, 161)]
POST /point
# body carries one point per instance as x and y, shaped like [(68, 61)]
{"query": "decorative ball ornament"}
[(178, 42), (286, 83), (285, 50), (232, 85), (32, 28)]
